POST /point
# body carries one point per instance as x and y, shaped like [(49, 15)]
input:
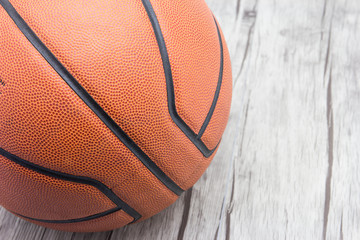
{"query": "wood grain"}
[(288, 166)]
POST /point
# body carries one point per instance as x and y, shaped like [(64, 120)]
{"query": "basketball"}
[(109, 110)]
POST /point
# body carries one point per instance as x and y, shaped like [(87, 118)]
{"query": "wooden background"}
[(288, 166)]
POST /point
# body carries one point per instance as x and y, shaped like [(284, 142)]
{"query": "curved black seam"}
[(194, 138), (218, 88), (88, 100), (73, 178), (77, 220)]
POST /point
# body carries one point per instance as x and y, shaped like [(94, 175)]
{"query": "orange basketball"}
[(109, 110)]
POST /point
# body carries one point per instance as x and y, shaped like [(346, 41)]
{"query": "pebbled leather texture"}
[(110, 49)]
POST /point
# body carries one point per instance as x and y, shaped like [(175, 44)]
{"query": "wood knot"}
[(250, 14)]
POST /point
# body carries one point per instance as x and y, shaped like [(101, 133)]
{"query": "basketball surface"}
[(109, 110)]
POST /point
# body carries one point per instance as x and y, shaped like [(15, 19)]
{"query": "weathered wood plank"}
[(343, 72), (288, 164), (281, 173), (290, 150)]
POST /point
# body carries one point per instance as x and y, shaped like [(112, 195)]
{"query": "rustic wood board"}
[(288, 164)]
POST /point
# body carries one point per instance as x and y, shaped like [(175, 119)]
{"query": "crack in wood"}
[(328, 51), (322, 31), (244, 125), (227, 235), (323, 17), (341, 228), (220, 218), (249, 39), (43, 234), (110, 235), (217, 233), (287, 223), (230, 205), (330, 155), (249, 184), (232, 190), (229, 211), (73, 236), (185, 216), (238, 4), (250, 34)]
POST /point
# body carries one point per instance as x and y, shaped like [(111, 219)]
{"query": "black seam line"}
[(170, 85), (218, 88), (84, 219), (72, 178), (88, 100)]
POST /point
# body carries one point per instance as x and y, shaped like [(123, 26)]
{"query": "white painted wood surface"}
[(289, 163)]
